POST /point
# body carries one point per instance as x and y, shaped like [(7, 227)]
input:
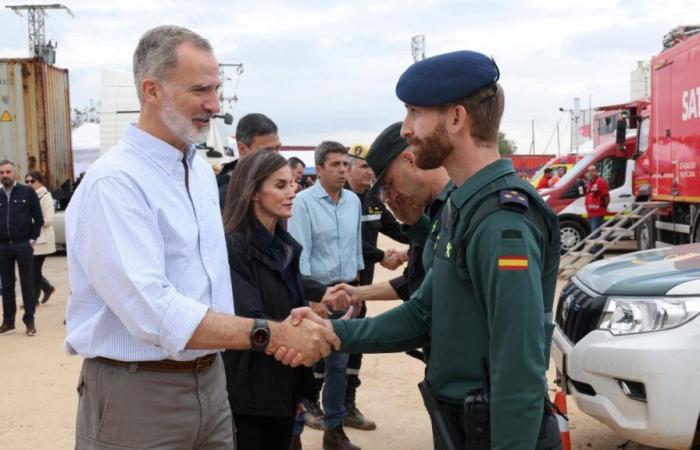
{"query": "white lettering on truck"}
[(691, 99)]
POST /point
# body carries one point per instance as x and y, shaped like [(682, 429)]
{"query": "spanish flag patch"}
[(512, 263)]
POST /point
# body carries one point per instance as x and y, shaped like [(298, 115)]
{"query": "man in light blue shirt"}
[(151, 300), (326, 220)]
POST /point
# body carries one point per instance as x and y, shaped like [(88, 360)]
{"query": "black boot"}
[(47, 294)]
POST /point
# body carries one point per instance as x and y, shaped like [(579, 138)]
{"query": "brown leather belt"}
[(166, 365)]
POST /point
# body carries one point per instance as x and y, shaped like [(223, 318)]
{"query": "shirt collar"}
[(162, 153), (320, 192), (488, 174)]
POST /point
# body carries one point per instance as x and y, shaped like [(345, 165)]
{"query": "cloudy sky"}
[(327, 69)]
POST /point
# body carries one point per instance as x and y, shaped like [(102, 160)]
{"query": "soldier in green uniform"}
[(485, 305)]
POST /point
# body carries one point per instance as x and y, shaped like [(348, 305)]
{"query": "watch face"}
[(260, 336)]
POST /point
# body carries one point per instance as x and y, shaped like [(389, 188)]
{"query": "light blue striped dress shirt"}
[(330, 234), (146, 259)]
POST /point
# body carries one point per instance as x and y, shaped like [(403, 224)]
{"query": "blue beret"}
[(445, 78)]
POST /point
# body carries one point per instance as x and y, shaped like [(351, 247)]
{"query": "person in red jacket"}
[(597, 199), (546, 180)]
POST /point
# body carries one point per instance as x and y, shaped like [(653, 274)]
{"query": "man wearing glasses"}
[(416, 198), (20, 208)]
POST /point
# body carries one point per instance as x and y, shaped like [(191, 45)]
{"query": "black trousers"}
[(262, 432), (22, 254), (40, 283)]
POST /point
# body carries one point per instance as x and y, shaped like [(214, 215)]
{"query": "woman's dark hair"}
[(247, 180), (37, 176)]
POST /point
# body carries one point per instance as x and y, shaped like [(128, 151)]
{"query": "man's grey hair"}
[(254, 124), (156, 53), (352, 161), (5, 162), (326, 147)]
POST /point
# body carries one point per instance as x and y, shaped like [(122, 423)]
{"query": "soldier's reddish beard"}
[(432, 150)]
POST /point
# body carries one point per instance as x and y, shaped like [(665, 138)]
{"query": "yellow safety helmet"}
[(359, 151)]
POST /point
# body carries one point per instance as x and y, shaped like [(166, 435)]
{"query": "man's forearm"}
[(377, 291), (397, 330), (218, 330), (303, 343)]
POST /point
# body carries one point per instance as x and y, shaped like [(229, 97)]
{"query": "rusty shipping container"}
[(35, 130)]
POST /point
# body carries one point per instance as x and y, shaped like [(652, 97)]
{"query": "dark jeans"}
[(40, 283), (334, 385), (353, 372), (263, 433), (21, 253), (595, 223)]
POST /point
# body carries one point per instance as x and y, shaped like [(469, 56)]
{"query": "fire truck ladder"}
[(606, 236)]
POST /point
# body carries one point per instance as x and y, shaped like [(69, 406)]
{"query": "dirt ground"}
[(39, 389)]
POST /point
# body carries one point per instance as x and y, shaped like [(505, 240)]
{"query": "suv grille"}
[(577, 312)]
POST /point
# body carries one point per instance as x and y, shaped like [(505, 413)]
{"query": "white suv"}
[(627, 344)]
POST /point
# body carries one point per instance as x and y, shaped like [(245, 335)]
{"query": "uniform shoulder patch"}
[(516, 262), (514, 198)]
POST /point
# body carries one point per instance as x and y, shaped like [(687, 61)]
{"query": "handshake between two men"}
[(307, 335), (303, 338)]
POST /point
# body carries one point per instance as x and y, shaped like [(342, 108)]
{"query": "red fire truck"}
[(668, 143), (660, 163)]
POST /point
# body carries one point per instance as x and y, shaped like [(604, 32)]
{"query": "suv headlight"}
[(626, 315)]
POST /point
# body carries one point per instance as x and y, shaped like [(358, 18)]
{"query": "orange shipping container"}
[(35, 130)]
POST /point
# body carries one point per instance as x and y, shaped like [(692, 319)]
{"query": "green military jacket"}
[(433, 219), (485, 297)]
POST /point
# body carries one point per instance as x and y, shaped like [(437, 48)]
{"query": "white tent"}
[(86, 146)]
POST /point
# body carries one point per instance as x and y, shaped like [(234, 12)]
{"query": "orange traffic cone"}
[(560, 411)]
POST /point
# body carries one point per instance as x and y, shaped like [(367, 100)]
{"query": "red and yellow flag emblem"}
[(512, 263)]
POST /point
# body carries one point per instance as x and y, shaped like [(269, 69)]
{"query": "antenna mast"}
[(36, 17)]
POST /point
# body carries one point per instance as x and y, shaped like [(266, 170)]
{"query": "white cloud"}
[(327, 69)]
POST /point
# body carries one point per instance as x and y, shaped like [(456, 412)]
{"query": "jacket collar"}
[(488, 174), (262, 239)]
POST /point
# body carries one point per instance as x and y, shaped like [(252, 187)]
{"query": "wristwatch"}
[(259, 335)]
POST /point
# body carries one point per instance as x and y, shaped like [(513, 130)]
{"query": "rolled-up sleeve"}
[(124, 258)]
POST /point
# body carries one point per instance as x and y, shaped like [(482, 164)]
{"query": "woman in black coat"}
[(264, 261)]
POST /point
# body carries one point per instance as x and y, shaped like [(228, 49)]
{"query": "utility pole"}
[(418, 47), (558, 147), (36, 16), (238, 68)]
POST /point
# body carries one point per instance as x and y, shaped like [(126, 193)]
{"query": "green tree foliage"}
[(506, 147)]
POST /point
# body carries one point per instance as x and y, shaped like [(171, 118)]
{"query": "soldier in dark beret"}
[(485, 305)]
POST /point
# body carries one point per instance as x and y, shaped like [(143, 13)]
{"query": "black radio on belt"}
[(477, 420), (477, 423)]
